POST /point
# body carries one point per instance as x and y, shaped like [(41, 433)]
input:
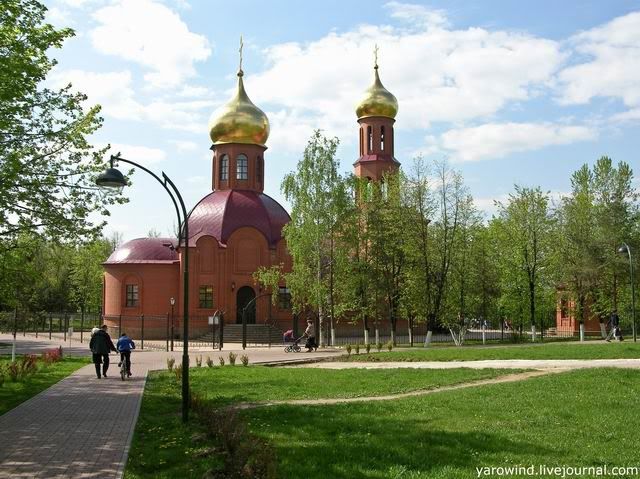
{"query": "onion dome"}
[(220, 213), (145, 250), (240, 121), (377, 101)]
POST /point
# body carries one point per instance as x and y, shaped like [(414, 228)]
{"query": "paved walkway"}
[(82, 427)]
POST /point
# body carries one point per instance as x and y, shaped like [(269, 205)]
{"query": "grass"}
[(236, 384), (14, 393), (164, 448), (612, 350), (581, 418)]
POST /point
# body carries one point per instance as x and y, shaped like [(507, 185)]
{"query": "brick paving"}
[(82, 426)]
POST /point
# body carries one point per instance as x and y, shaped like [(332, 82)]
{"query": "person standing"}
[(101, 345)]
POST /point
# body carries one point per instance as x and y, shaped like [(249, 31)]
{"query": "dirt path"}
[(509, 378)]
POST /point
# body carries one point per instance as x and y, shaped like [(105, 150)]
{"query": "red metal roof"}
[(379, 157), (145, 250), (220, 213)]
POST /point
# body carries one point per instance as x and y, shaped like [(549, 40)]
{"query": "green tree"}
[(319, 199), (47, 165), (526, 237), (87, 273)]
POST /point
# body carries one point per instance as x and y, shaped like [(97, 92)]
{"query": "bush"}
[(379, 346), (221, 360), (245, 456), (367, 347), (199, 361), (13, 371), (348, 349), (51, 356), (28, 365), (244, 359), (232, 358), (178, 372), (1, 375), (390, 345), (358, 348), (170, 363), (209, 362)]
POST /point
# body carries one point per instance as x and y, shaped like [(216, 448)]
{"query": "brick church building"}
[(234, 230)]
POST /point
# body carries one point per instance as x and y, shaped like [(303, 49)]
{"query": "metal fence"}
[(164, 332)]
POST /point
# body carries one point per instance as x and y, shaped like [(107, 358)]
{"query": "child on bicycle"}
[(124, 346)]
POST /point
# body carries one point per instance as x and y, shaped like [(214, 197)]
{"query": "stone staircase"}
[(256, 334)]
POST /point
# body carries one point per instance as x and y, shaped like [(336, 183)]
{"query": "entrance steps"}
[(256, 334)]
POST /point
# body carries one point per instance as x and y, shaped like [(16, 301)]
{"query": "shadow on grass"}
[(371, 445)]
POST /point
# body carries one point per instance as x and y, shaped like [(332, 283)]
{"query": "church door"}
[(244, 296)]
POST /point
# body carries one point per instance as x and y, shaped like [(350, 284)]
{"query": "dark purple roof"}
[(220, 213), (381, 157), (145, 250)]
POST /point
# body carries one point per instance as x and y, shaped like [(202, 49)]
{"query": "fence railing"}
[(164, 332)]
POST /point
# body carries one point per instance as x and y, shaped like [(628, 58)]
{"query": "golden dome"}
[(240, 121), (377, 101)]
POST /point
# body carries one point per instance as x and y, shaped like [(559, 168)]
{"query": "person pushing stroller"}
[(310, 335)]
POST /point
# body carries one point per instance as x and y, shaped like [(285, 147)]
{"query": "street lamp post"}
[(113, 178), (625, 249), (173, 303)]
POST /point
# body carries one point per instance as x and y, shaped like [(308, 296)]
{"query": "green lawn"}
[(14, 393), (581, 418), (611, 350), (259, 383), (163, 448)]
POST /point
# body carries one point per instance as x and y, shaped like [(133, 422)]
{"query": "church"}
[(233, 230)]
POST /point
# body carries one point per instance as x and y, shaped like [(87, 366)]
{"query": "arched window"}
[(361, 141), (384, 190), (259, 169), (370, 139), (224, 168), (382, 138), (242, 167)]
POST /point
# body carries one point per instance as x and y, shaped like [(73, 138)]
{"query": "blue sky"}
[(510, 92)]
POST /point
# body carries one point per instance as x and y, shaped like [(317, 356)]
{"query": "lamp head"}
[(172, 301), (624, 249)]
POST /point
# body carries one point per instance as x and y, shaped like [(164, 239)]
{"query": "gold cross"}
[(375, 55), (240, 50)]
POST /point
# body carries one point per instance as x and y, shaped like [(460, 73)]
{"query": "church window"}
[(384, 190), (242, 168), (382, 138), (224, 168), (361, 141), (259, 169), (284, 298), (132, 295), (370, 138), (206, 297), (564, 308)]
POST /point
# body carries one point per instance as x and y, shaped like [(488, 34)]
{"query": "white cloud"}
[(152, 35), (142, 154), (613, 65), (417, 14), (112, 90), (496, 140), (184, 146), (437, 74)]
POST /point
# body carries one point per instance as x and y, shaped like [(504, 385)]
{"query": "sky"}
[(507, 92)]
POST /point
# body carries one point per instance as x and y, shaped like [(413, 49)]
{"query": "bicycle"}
[(123, 369)]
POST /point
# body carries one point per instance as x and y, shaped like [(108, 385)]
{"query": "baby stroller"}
[(293, 347)]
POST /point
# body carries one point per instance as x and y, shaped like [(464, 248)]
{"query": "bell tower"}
[(376, 115), (239, 135)]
